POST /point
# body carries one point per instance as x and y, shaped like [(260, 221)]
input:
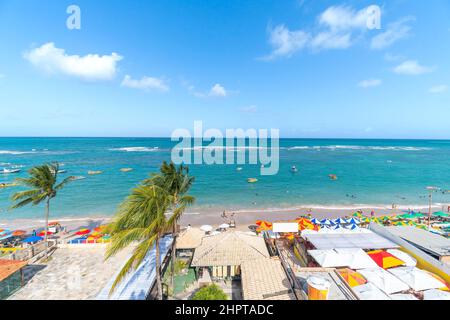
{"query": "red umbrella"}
[(42, 233), (82, 232), (384, 259)]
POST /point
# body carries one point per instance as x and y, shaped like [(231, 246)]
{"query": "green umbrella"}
[(441, 214)]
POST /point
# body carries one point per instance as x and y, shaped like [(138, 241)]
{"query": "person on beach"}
[(372, 213), (34, 233)]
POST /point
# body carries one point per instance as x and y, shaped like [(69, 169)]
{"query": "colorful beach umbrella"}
[(384, 259), (42, 233), (441, 214), (339, 221), (352, 277), (315, 221), (19, 233), (82, 232)]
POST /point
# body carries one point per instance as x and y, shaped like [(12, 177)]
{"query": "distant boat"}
[(238, 168), (78, 177), (7, 185), (333, 176), (252, 180), (126, 169), (294, 169), (10, 170), (91, 172)]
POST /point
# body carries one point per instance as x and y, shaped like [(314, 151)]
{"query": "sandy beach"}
[(243, 217)]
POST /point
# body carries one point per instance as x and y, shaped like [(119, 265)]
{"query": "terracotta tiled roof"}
[(8, 267), (229, 249)]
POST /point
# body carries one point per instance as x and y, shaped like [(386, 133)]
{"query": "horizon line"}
[(168, 137)]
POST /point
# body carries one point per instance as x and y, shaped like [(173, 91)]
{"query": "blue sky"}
[(310, 68)]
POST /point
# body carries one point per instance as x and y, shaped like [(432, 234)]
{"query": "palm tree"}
[(43, 186), (177, 182), (147, 214)]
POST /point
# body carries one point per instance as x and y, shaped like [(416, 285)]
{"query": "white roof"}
[(359, 259), (409, 261), (348, 257), (435, 294), (329, 258), (384, 280), (423, 239), (417, 279), (402, 296), (365, 239), (137, 284), (370, 292)]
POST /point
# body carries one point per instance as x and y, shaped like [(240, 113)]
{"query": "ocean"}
[(371, 173)]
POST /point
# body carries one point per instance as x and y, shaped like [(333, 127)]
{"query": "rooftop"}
[(190, 238), (8, 267), (265, 279), (433, 243), (362, 240), (230, 248)]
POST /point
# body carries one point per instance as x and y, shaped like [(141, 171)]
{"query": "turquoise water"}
[(370, 172)]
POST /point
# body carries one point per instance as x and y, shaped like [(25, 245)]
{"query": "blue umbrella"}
[(353, 221), (339, 221), (326, 222), (315, 221), (32, 239), (352, 227)]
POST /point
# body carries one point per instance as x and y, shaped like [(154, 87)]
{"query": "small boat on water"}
[(294, 169), (92, 172), (5, 170), (78, 177), (7, 185), (252, 180), (239, 169), (333, 176), (126, 169)]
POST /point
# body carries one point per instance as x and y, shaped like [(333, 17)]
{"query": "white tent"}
[(358, 258), (402, 296), (206, 228), (329, 258), (384, 280), (369, 292), (224, 226), (435, 294), (417, 279), (409, 261)]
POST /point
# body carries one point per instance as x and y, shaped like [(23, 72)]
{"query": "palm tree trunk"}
[(47, 211), (158, 270), (172, 257)]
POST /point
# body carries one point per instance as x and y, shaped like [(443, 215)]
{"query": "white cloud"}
[(145, 83), (89, 67), (439, 89), (250, 109), (336, 28), (218, 91), (286, 42), (369, 83), (412, 67), (344, 18), (331, 40), (395, 32)]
